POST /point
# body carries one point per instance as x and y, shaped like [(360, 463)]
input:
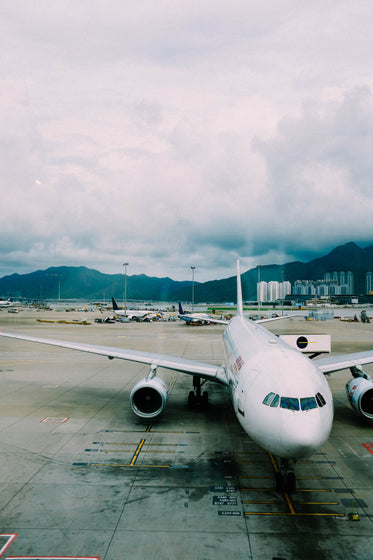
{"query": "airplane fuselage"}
[(280, 397)]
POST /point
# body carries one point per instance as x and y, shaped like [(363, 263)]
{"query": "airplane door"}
[(241, 402), (243, 390)]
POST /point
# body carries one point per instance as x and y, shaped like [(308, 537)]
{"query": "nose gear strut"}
[(285, 478)]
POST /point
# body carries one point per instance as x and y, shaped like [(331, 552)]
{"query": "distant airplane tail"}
[(115, 305), (181, 310), (239, 291)]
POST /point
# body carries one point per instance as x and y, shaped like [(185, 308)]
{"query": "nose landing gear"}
[(285, 478)]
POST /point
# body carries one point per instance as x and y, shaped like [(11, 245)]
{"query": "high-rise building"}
[(285, 289), (350, 282), (261, 291), (272, 291), (334, 283), (368, 283)]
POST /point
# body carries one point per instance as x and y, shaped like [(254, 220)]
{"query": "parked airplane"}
[(137, 314), (279, 395), (5, 302), (198, 318), (203, 318)]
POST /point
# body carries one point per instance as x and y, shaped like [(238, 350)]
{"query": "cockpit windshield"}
[(290, 403), (308, 403), (293, 403), (272, 399)]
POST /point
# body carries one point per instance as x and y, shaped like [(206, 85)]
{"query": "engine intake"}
[(148, 397), (360, 394)]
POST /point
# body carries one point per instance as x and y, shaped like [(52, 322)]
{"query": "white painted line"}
[(11, 538), (50, 419)]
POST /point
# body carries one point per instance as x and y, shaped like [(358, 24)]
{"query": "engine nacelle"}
[(360, 394), (148, 397)]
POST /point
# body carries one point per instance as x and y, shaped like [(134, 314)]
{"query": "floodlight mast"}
[(193, 269), (125, 288)]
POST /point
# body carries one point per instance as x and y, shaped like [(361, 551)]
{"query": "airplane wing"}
[(274, 318), (344, 361), (204, 370)]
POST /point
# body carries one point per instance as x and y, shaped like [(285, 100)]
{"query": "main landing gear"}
[(285, 478), (196, 398)]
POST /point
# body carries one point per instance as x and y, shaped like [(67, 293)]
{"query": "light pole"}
[(259, 290), (125, 288), (193, 269), (282, 291)]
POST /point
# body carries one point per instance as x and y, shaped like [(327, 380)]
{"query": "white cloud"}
[(178, 133), (320, 171)]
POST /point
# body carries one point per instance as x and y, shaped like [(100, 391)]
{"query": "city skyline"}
[(332, 284)]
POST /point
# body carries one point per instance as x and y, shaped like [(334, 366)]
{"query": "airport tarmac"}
[(82, 477)]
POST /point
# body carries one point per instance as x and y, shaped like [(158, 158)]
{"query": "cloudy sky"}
[(180, 133)]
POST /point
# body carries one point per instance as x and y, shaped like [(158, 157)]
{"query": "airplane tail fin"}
[(239, 291), (181, 310), (115, 305)]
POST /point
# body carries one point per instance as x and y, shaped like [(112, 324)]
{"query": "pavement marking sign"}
[(47, 386), (50, 419), (292, 506), (6, 540), (140, 447), (369, 447)]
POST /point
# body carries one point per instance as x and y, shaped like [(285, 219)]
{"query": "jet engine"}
[(360, 394), (148, 397)]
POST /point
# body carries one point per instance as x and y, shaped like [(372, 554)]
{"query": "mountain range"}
[(68, 282)]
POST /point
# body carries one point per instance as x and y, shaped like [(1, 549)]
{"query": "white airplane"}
[(138, 314), (5, 302), (279, 395), (198, 318)]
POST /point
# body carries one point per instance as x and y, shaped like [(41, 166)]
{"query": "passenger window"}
[(320, 400), (290, 403), (308, 403)]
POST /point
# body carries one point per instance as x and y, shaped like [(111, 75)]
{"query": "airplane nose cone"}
[(302, 439)]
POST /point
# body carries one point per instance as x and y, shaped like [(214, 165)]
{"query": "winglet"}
[(239, 291)]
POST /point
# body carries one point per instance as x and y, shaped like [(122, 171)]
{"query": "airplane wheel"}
[(191, 399), (290, 483), (278, 482), (205, 399)]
